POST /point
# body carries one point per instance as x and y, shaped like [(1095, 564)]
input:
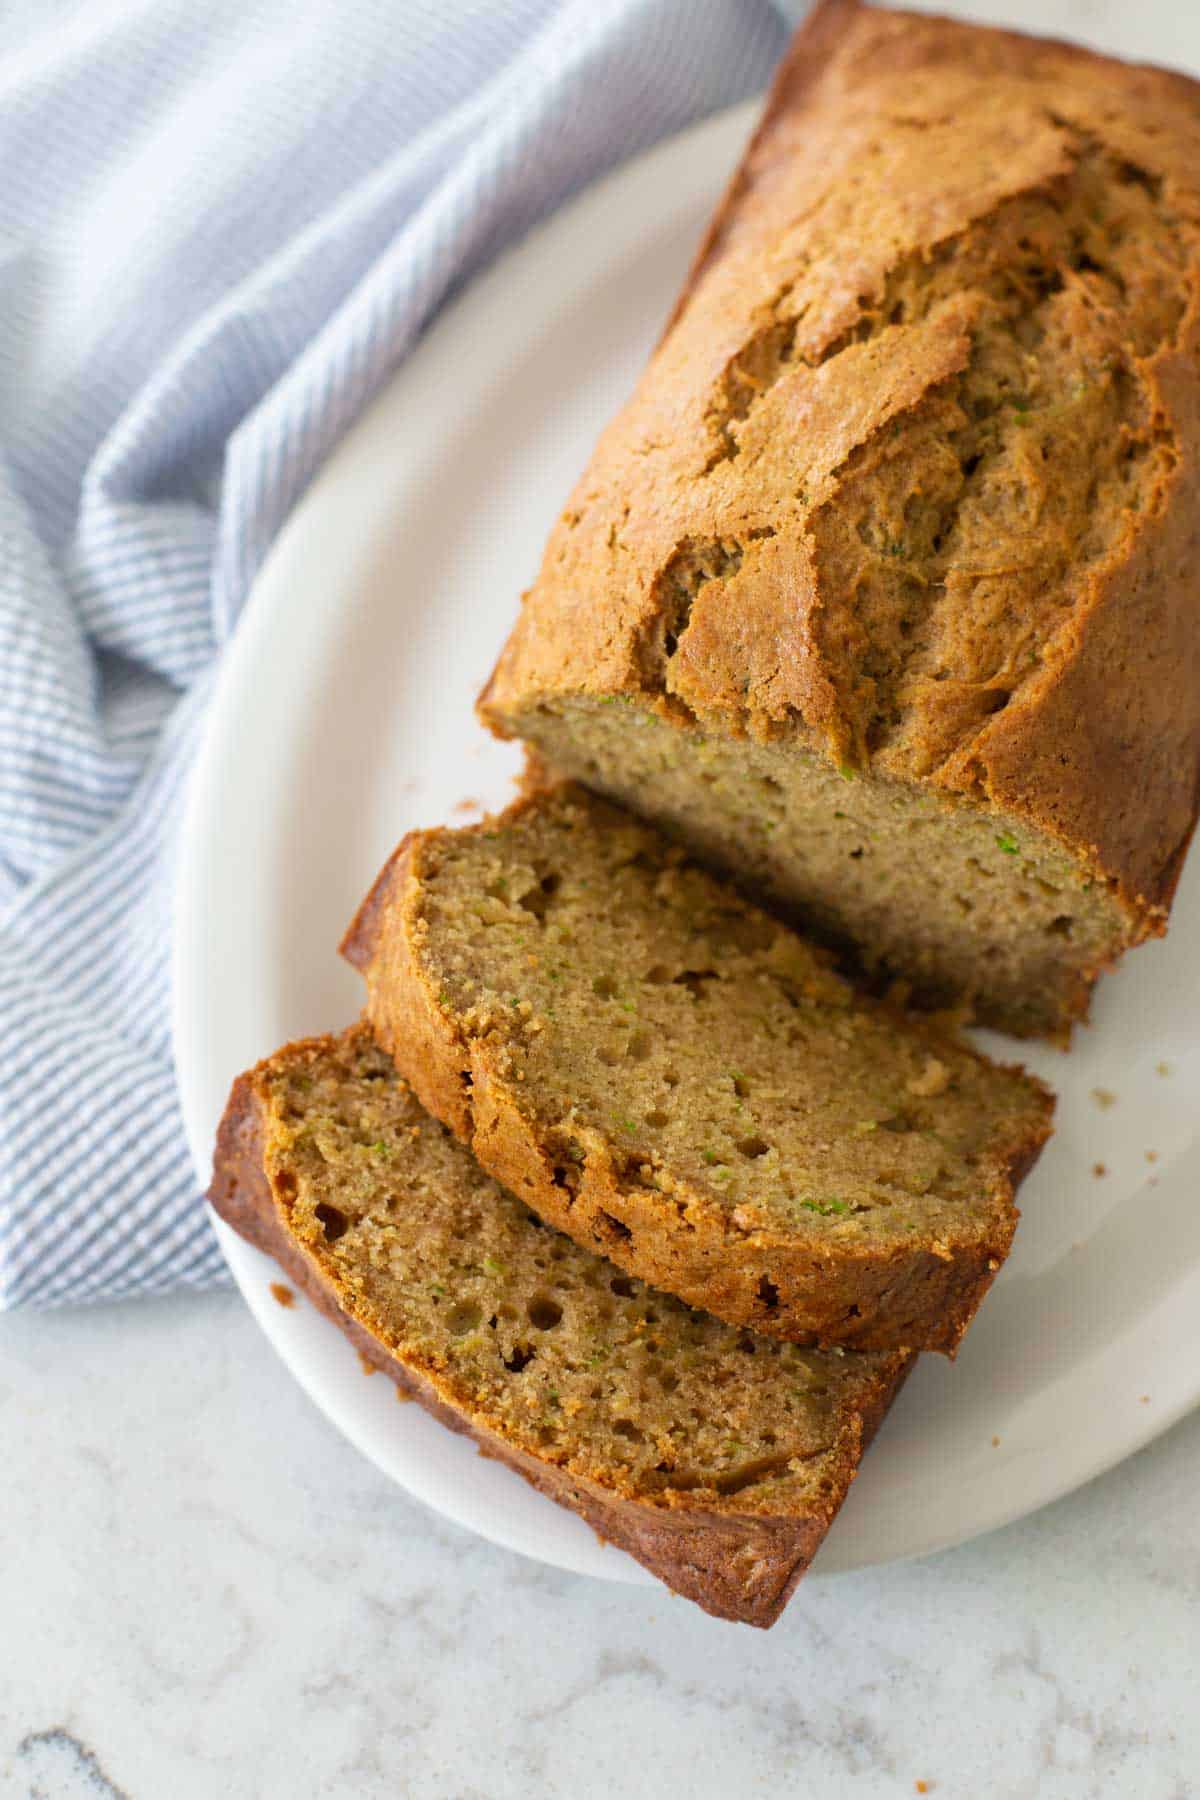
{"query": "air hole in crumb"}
[(768, 1294), (465, 1077), (608, 1056), (670, 1077), (639, 1046), (1061, 926), (544, 1313), (537, 899), (605, 987), (741, 1087), (658, 1119), (464, 1317), (333, 1223), (612, 1227), (566, 1176), (753, 1146), (522, 1356), (695, 981), (856, 854), (627, 1429), (621, 1284), (659, 975), (285, 1184)]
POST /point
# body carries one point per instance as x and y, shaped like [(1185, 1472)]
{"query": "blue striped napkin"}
[(221, 227)]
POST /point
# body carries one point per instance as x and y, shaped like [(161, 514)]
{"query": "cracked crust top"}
[(912, 477)]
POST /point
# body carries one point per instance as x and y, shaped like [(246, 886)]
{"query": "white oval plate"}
[(343, 716)]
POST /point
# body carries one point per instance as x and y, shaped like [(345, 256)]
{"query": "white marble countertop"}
[(206, 1592)]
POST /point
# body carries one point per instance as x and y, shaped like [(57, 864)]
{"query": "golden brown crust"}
[(861, 1296), (735, 1566), (1099, 744)]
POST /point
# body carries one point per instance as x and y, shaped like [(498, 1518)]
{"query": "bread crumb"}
[(933, 1079), (368, 1367), (1152, 1156), (284, 1295), (995, 1443), (467, 806), (924, 1787), (1104, 1098), (402, 1395), (1145, 1399), (1099, 1168), (1162, 1068)]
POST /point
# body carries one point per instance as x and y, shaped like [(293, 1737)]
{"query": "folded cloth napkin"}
[(221, 227)]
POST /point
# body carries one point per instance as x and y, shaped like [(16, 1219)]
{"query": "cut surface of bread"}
[(909, 495), (715, 1457), (669, 1075)]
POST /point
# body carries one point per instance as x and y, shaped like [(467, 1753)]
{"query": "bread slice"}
[(671, 1076), (716, 1458), (880, 591)]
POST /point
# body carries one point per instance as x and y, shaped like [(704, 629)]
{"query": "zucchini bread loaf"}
[(671, 1076), (881, 591), (716, 1458)]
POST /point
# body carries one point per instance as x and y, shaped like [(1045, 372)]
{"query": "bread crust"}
[(1099, 747), (736, 1565), (863, 1297)]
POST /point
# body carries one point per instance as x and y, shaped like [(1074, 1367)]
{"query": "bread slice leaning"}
[(715, 1458), (675, 1078)]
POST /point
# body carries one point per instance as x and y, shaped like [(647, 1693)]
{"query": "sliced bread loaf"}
[(880, 591), (668, 1074), (716, 1458)]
